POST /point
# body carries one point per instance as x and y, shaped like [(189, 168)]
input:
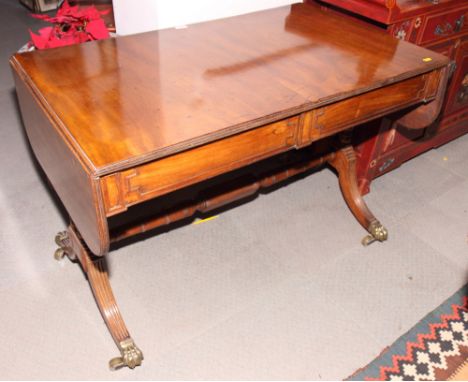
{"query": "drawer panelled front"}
[(162, 176), (445, 25), (328, 120)]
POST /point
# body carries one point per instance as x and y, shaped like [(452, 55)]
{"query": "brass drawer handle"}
[(463, 92), (443, 30), (447, 28), (387, 164), (459, 24)]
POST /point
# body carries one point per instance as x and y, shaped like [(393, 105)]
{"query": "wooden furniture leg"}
[(344, 161), (71, 245)]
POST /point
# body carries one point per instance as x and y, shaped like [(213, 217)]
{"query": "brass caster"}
[(61, 239), (59, 254), (131, 356), (377, 233), (368, 240)]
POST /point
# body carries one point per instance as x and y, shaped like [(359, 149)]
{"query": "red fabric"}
[(72, 25)]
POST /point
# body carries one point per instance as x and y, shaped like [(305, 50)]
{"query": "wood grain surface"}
[(78, 191), (129, 100)]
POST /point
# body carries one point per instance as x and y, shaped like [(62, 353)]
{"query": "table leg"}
[(70, 244), (344, 161)]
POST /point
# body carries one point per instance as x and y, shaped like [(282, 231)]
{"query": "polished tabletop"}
[(131, 99)]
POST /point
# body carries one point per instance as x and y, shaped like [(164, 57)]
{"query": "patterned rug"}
[(436, 349)]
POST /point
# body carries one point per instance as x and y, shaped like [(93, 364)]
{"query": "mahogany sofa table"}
[(120, 123)]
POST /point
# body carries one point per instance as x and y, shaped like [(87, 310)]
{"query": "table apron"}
[(150, 180)]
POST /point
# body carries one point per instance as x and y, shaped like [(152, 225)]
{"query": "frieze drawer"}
[(327, 120), (162, 176)]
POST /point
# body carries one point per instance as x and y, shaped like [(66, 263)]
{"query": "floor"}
[(277, 288)]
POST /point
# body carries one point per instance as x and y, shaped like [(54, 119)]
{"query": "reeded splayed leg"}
[(70, 244), (344, 161)]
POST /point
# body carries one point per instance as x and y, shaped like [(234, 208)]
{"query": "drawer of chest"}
[(458, 95), (444, 25), (150, 180)]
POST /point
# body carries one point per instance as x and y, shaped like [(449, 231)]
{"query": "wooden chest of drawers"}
[(439, 25)]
